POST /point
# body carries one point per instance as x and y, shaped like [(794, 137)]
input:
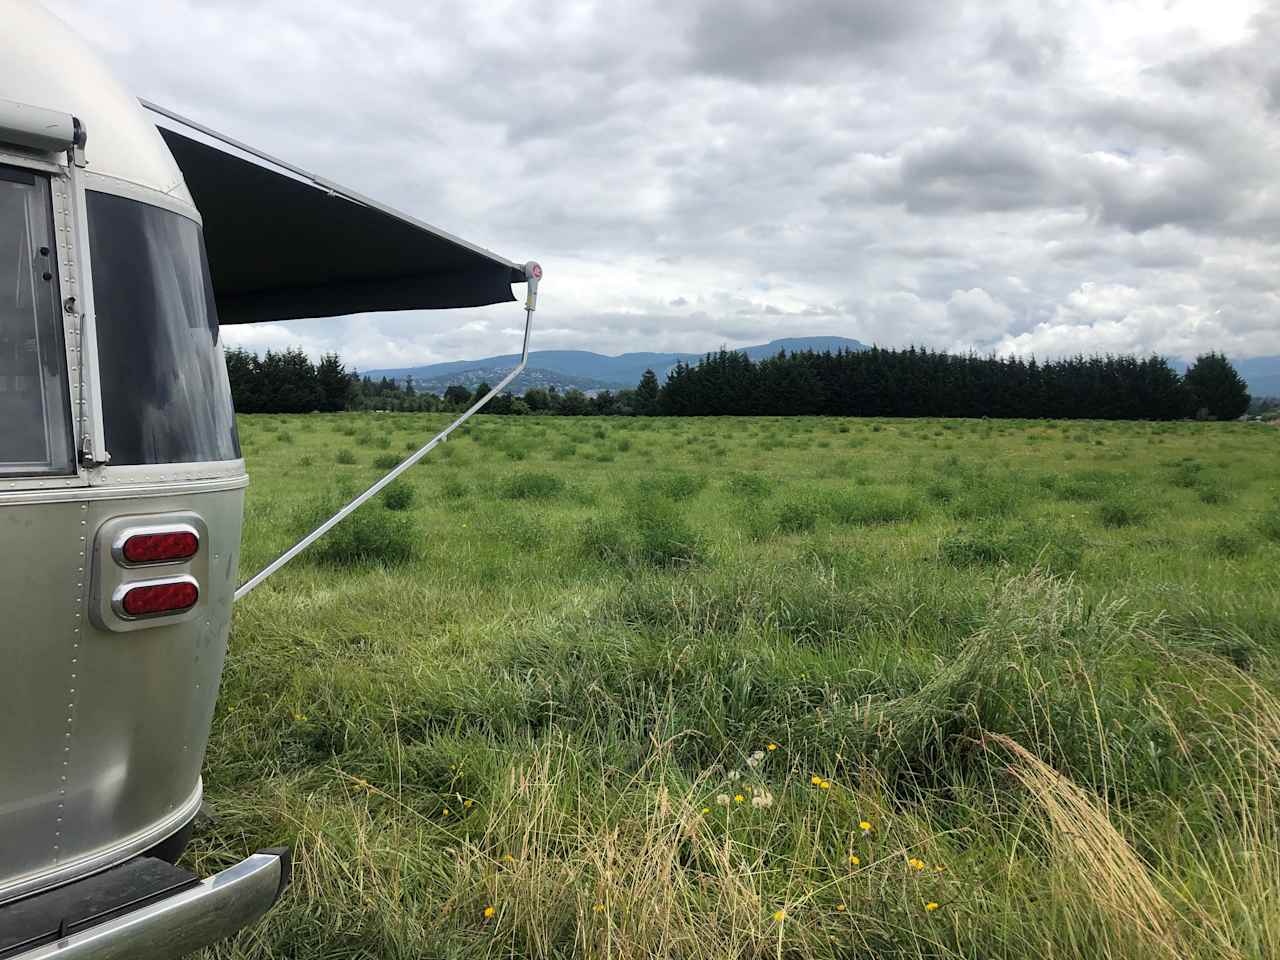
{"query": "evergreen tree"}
[(244, 377), (335, 383), (1217, 390), (646, 395), (575, 403), (457, 396), (539, 400)]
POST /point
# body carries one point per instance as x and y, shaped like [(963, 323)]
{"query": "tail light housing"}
[(151, 571), (144, 546), (156, 598)]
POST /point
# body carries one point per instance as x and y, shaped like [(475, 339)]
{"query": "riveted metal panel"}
[(107, 730)]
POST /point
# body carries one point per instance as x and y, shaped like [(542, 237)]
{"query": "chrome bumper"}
[(209, 911)]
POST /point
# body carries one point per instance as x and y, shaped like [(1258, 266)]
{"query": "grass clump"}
[(663, 536), (675, 486), (1120, 512), (386, 461), (866, 507), (1087, 487), (748, 485), (531, 485), (796, 515), (344, 456), (368, 537), (399, 494), (1269, 523), (1232, 544), (604, 538), (1027, 544)]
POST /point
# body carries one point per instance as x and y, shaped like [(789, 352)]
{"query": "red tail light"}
[(150, 599), (163, 547)]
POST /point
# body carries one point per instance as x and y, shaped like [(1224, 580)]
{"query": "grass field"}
[(760, 688)]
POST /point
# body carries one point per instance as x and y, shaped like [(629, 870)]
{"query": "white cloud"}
[(1033, 176)]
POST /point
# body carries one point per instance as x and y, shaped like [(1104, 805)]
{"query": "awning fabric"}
[(283, 244)]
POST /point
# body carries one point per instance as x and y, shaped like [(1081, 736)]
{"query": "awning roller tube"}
[(38, 128)]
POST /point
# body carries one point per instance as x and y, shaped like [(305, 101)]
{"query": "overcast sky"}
[(1030, 177)]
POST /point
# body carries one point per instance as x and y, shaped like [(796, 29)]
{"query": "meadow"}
[(759, 688)]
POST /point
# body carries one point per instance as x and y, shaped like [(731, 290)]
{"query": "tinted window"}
[(165, 397), (35, 404)]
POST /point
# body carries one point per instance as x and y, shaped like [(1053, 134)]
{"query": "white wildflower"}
[(722, 800)]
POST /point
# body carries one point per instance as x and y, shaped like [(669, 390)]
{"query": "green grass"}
[(536, 675)]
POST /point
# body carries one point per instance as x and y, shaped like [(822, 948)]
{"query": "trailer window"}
[(165, 397), (35, 403)]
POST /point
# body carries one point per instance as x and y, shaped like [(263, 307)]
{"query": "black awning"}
[(284, 244)]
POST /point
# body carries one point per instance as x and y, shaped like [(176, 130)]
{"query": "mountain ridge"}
[(606, 372)]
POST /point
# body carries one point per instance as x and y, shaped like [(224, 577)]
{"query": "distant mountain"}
[(584, 370), (532, 377), (1262, 374)]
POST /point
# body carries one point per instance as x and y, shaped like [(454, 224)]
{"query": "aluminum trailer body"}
[(121, 479)]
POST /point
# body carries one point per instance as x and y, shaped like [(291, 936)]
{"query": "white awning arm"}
[(533, 273)]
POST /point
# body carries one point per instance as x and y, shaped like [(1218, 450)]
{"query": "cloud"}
[(759, 39), (1014, 175), (976, 315)]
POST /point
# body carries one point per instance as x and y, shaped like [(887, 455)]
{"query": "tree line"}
[(877, 382)]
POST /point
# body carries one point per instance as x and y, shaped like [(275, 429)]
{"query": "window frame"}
[(65, 324)]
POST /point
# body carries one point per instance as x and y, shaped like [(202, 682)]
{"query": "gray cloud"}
[(759, 39), (1013, 175)]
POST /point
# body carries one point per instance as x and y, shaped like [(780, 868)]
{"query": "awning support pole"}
[(533, 273)]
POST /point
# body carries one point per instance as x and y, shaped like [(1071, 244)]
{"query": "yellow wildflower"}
[(840, 908), (598, 908), (706, 809), (489, 912), (855, 859), (916, 863), (864, 826), (930, 907), (771, 747), (825, 785), (815, 780), (780, 915), (738, 798), (446, 811)]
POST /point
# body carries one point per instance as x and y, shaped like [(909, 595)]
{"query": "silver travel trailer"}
[(127, 234)]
